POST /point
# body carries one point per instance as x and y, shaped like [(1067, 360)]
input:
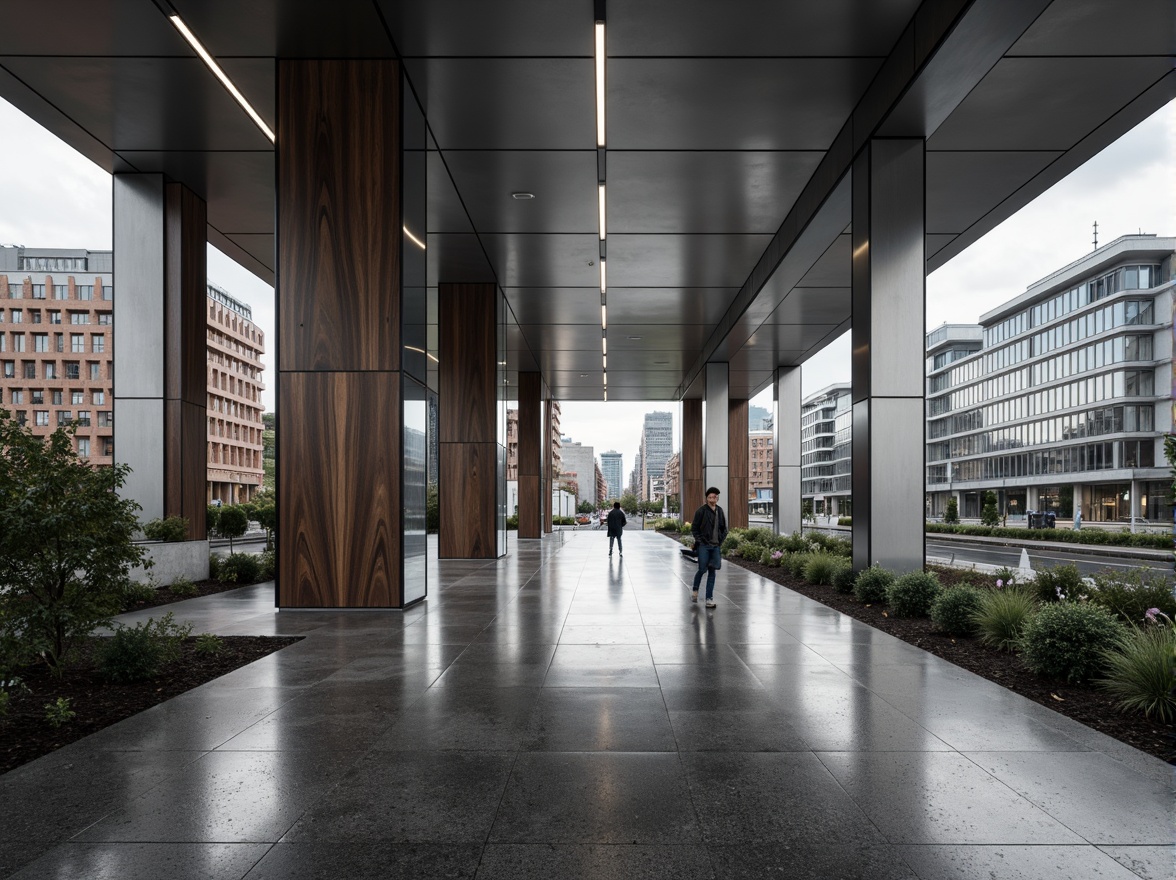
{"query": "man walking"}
[(709, 528), (616, 527)]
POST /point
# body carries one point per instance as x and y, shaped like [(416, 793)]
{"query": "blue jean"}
[(617, 538), (707, 556)]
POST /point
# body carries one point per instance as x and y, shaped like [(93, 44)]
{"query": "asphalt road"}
[(1088, 563)]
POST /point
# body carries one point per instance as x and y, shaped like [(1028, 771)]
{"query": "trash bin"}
[(1051, 519), (1036, 519)]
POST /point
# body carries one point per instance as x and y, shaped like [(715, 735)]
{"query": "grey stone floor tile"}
[(1090, 794), (465, 718), (735, 731), (145, 861), (528, 655), (1148, 862), (810, 861), (594, 862), (15, 854), (599, 720), (495, 675), (694, 675), (695, 655), (966, 724), (439, 797), (596, 797), (787, 652), (367, 860), (603, 634), (787, 798), (601, 666), (63, 793), (941, 797), (701, 699), (226, 797), (1011, 862)]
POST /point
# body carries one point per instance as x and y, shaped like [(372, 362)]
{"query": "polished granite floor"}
[(558, 713)]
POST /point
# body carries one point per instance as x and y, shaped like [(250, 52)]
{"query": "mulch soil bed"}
[(1083, 703), (165, 596), (25, 734)]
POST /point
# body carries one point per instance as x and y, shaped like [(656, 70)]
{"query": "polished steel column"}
[(786, 447), (160, 380), (715, 433), (548, 461), (889, 281)]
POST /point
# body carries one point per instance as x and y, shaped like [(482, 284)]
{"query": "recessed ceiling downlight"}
[(522, 196)]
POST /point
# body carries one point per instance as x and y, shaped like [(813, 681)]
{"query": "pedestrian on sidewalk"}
[(709, 528), (616, 527)]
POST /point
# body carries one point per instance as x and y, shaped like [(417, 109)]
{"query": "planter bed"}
[(165, 596)]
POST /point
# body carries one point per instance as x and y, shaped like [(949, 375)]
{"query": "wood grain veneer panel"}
[(737, 464), (338, 205), (468, 501), (530, 506), (185, 297), (185, 467), (691, 473), (468, 316), (339, 505)]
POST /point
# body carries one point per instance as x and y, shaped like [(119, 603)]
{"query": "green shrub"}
[(1129, 594), (267, 565), (731, 542), (134, 592), (1058, 583), (174, 528), (239, 568), (843, 580), (794, 543), (765, 557), (871, 584), (952, 514), (760, 535), (840, 547), (1062, 536), (989, 515), (5, 698), (214, 562), (1003, 615), (512, 523), (912, 594), (954, 610), (686, 540), (233, 523), (137, 653), (212, 518), (796, 563), (1069, 640), (59, 712), (1141, 672), (749, 550), (821, 568), (181, 586), (207, 643), (685, 529), (845, 521)]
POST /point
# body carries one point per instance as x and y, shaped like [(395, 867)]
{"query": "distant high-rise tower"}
[(610, 466), (657, 445)]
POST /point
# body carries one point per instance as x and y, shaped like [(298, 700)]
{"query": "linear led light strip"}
[(221, 75), (600, 145)]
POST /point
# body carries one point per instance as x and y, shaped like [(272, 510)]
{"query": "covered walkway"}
[(555, 713)]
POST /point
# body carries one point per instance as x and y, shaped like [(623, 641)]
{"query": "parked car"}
[(583, 519)]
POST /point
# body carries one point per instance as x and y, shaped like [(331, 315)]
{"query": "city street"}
[(990, 554)]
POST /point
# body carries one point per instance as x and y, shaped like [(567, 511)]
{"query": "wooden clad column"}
[(339, 389), (468, 315), (531, 455), (737, 454), (690, 475), (161, 427)]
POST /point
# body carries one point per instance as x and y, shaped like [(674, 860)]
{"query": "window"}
[(40, 342), (108, 446), (34, 316), (55, 317), (98, 398), (41, 418), (3, 342), (22, 417), (77, 342), (105, 419), (64, 417), (9, 369), (16, 291), (108, 291), (30, 369), (84, 447), (17, 316), (60, 291), (18, 342), (38, 398), (105, 317), (72, 370), (76, 397), (17, 396), (50, 370), (94, 371), (79, 317), (38, 291), (57, 397), (84, 418), (98, 342)]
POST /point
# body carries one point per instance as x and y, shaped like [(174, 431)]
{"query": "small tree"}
[(212, 518), (267, 517), (989, 515), (233, 523), (629, 503), (584, 507), (66, 542), (674, 503), (952, 514)]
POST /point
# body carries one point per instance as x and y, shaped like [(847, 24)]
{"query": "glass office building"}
[(1059, 399)]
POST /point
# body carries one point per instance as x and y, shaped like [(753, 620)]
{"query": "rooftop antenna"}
[(1096, 235)]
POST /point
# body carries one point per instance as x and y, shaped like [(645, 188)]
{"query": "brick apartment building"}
[(57, 351)]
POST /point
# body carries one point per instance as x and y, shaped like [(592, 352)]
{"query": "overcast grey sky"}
[(51, 196)]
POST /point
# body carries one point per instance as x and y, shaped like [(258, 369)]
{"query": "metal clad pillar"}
[(889, 282), (530, 476), (160, 381), (715, 433), (786, 488)]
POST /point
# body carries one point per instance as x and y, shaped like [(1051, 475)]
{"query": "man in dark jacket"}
[(709, 528), (616, 527)]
